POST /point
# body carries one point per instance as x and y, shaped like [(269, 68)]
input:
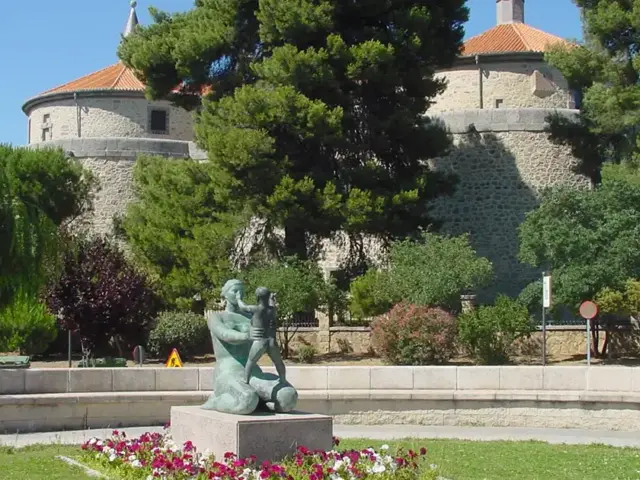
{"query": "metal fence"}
[(305, 320), (346, 319)]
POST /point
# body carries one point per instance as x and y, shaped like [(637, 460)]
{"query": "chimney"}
[(510, 11)]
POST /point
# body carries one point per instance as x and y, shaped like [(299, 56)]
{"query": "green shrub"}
[(185, 331), (369, 295), (489, 332), (307, 353), (26, 326), (436, 270), (415, 335), (299, 286), (432, 270)]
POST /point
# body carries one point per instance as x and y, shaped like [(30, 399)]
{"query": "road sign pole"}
[(588, 311), (69, 347), (588, 342)]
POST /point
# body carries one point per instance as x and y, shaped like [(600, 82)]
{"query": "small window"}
[(499, 102), (158, 121), (46, 134), (46, 118)]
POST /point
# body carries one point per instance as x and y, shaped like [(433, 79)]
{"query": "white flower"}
[(338, 465), (93, 441), (99, 443), (384, 447), (112, 457), (378, 468), (132, 458), (335, 476), (136, 463)]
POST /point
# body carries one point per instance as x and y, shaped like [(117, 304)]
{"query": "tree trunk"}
[(118, 344), (605, 345), (595, 338), (295, 242)]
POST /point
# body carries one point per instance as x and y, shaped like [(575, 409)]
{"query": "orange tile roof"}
[(511, 37), (114, 77)]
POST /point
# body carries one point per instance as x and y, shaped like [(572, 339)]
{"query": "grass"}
[(39, 462), (465, 460), (457, 460)]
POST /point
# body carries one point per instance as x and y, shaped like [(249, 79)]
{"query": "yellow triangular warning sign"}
[(174, 360)]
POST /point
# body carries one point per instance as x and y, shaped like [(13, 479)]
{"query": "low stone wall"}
[(562, 341), (356, 340), (559, 397)]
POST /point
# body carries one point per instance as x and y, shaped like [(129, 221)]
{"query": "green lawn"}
[(39, 463), (463, 460), (457, 460)]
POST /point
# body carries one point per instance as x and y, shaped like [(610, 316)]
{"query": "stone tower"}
[(104, 120), (500, 92)]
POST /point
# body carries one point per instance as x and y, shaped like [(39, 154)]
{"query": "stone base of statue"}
[(267, 435)]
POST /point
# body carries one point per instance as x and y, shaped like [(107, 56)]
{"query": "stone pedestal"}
[(268, 436)]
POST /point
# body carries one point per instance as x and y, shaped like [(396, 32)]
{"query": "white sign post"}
[(546, 290), (546, 303)]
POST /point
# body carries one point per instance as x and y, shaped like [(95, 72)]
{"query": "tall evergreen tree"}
[(315, 116), (605, 69)]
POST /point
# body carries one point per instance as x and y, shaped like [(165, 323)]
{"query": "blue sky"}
[(46, 43)]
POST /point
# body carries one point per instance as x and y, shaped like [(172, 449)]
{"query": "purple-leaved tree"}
[(101, 296)]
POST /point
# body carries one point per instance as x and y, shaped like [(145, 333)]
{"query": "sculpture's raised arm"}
[(243, 306), (223, 332)]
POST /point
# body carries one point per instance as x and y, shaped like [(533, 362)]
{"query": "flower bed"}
[(156, 456)]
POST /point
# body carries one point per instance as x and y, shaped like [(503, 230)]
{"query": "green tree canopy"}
[(177, 228), (315, 120), (40, 190), (299, 287), (589, 239), (605, 69), (433, 270)]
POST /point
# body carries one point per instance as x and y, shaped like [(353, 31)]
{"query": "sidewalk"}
[(376, 432)]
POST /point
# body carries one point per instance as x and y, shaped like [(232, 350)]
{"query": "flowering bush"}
[(155, 456), (415, 335)]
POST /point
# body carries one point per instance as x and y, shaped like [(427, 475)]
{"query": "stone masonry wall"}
[(514, 83), (112, 161), (502, 167), (115, 176), (563, 343), (106, 117)]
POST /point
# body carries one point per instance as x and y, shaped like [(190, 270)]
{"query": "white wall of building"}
[(104, 117), (504, 85)]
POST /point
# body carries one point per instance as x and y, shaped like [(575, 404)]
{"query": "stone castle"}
[(499, 93)]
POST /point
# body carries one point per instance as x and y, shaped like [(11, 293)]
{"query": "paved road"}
[(388, 432)]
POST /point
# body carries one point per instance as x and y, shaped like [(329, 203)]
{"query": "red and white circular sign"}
[(588, 310)]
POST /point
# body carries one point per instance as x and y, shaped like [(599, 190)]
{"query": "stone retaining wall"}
[(557, 397), (562, 341)]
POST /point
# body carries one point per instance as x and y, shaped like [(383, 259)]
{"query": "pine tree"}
[(605, 69), (315, 120)]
